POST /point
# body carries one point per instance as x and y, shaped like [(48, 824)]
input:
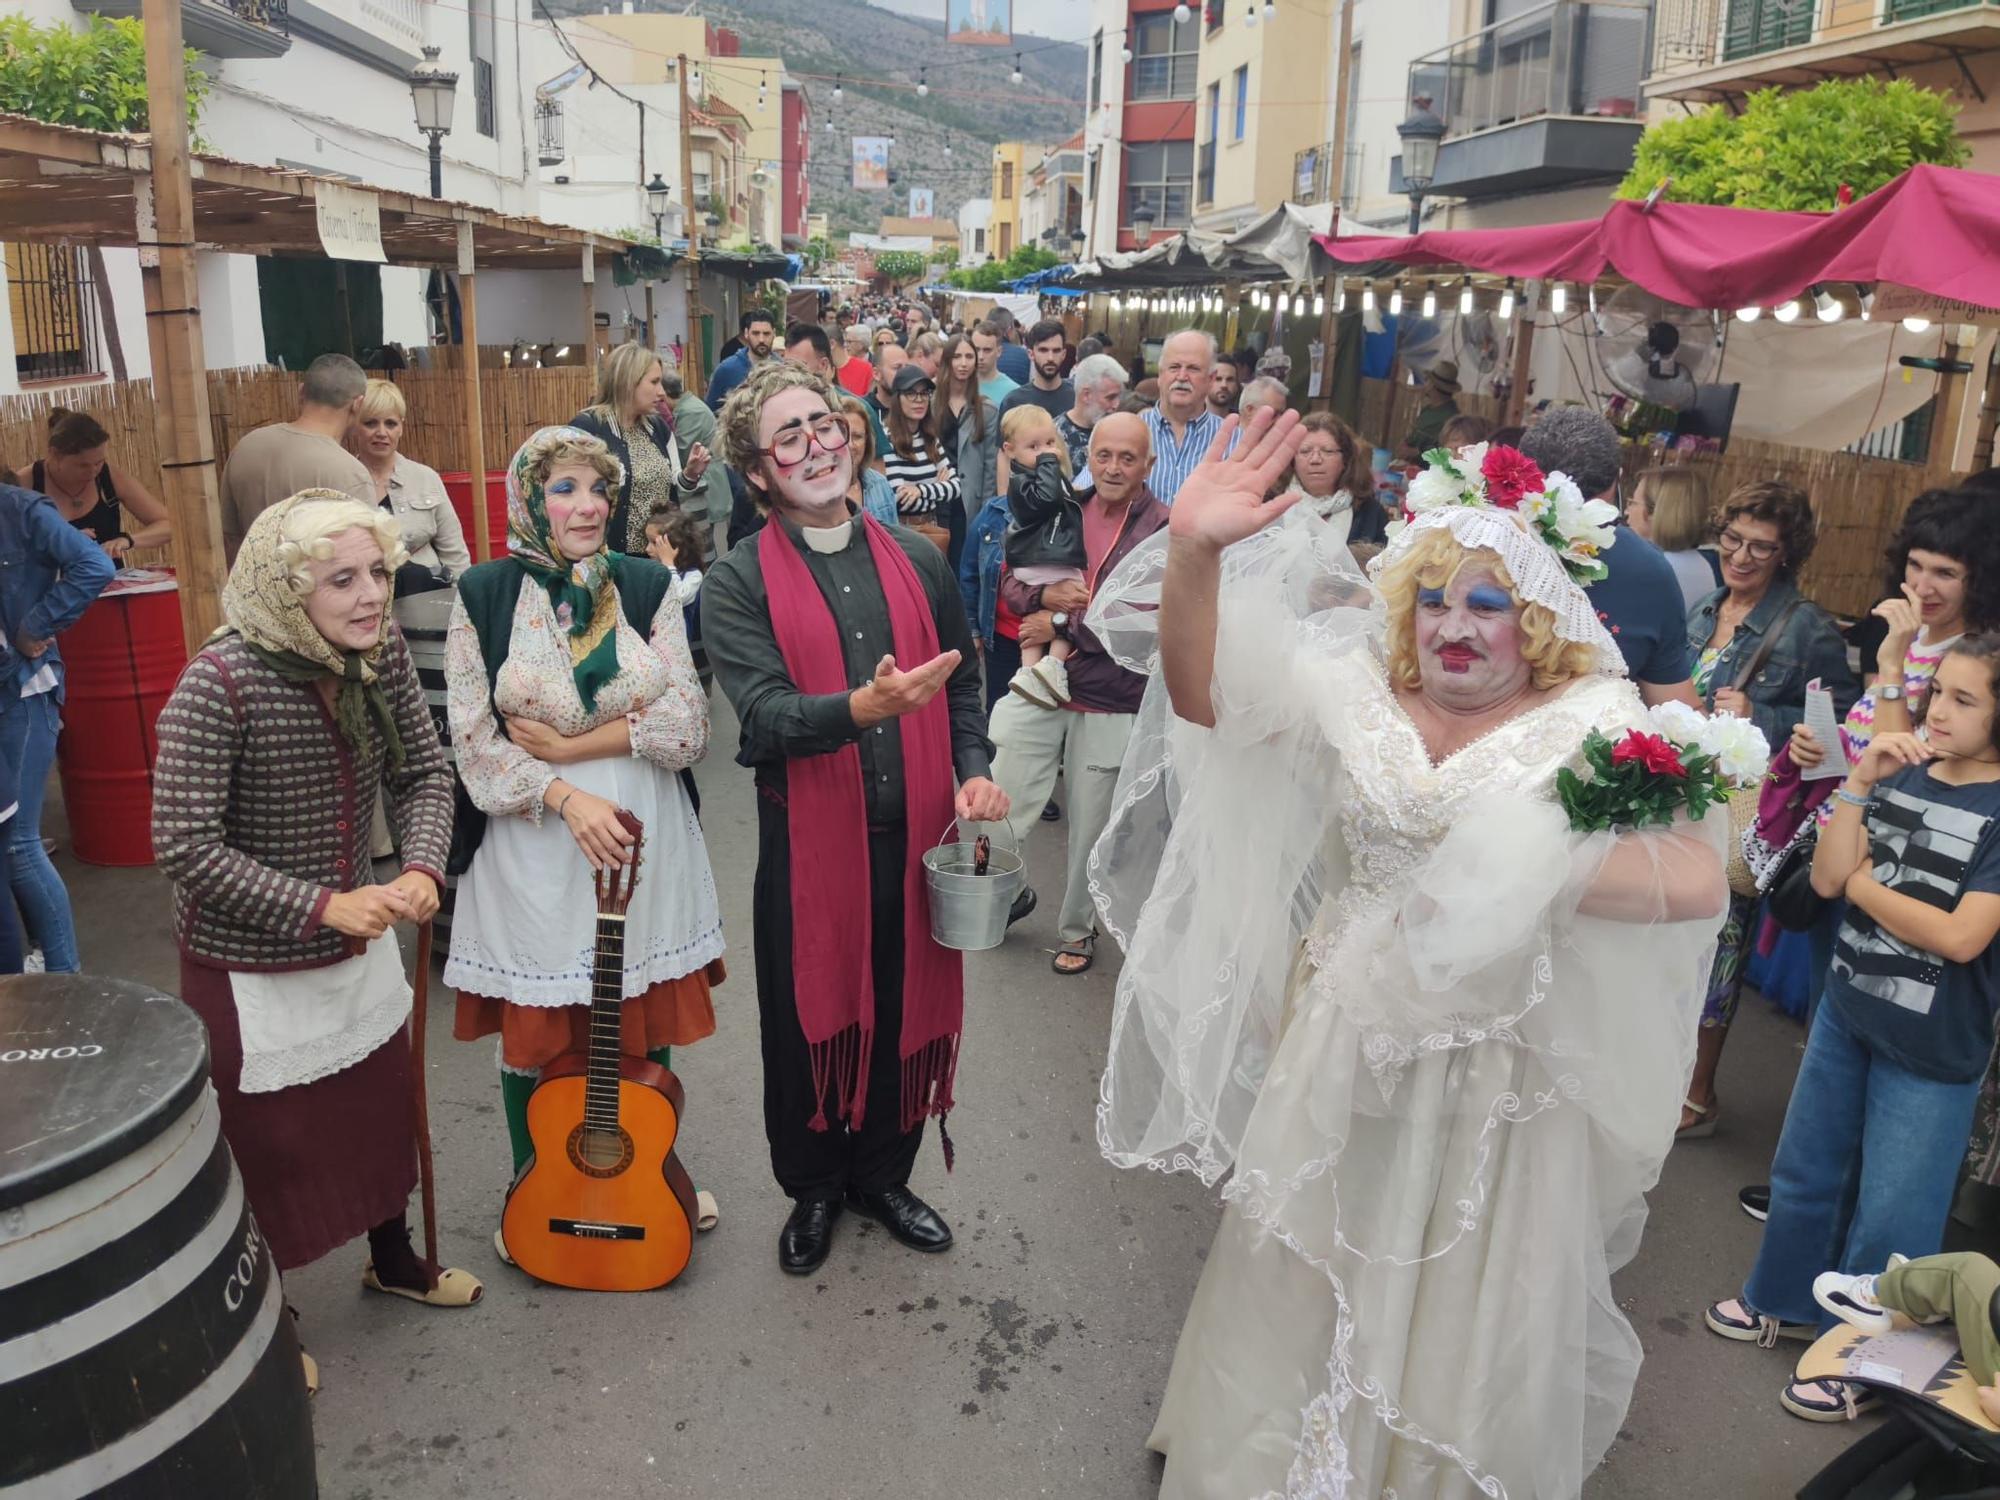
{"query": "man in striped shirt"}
[(1182, 426)]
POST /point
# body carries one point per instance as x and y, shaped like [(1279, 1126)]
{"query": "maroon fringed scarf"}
[(827, 820)]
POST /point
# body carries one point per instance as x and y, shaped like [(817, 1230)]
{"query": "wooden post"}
[(1989, 410), (1949, 413), (691, 374), (1336, 187), (589, 303), (1524, 344), (173, 331), (475, 420), (652, 328)]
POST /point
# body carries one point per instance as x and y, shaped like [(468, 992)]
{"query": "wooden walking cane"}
[(426, 1171)]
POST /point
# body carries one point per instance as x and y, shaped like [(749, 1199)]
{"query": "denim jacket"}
[(979, 565), (49, 573), (877, 499), (1810, 646)]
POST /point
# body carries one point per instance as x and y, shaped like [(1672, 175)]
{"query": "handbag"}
[(1790, 898), (1744, 802)]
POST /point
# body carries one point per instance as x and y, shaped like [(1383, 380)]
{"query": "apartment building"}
[(1052, 203), (1010, 172), (1263, 108), (1139, 122)]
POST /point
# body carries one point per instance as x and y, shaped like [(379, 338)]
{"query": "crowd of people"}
[(1302, 744)]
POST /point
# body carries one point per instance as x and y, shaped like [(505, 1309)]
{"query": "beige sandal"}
[(706, 1214), (454, 1288), (311, 1367), (1703, 1124)]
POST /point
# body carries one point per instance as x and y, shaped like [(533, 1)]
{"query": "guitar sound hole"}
[(600, 1153)]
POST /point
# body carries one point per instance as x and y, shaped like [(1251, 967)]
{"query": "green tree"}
[(1795, 150), (94, 78), (994, 276), (901, 266)]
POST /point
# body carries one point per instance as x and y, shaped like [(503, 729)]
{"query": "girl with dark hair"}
[(926, 485), (76, 472), (1870, 1152)]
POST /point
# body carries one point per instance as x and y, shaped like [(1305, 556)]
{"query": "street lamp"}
[(434, 90), (1076, 243), (1142, 226), (658, 197), (1421, 133)]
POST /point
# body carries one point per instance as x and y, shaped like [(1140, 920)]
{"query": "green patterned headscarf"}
[(264, 603), (581, 593)]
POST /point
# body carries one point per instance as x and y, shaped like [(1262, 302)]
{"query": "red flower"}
[(1509, 475), (1651, 751)]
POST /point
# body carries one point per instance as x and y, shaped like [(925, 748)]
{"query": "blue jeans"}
[(28, 741), (1819, 939), (1866, 1165)]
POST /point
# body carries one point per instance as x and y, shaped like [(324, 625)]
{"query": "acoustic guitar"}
[(604, 1205)]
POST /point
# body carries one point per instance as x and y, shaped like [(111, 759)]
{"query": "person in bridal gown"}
[(1435, 1038)]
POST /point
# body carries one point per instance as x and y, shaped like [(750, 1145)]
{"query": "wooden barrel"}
[(121, 661), (424, 620), (145, 1349)]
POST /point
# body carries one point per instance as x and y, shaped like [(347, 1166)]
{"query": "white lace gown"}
[(1441, 1089)]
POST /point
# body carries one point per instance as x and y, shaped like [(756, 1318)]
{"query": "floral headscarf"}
[(264, 603), (583, 594)]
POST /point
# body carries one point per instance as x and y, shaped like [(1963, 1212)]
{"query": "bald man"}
[(1085, 739)]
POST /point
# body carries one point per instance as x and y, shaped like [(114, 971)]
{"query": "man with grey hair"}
[(1265, 390), (1639, 597), (858, 373), (276, 462), (1100, 385), (1182, 426)]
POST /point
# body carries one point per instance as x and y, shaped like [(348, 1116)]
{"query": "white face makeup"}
[(1469, 642), (812, 485), (579, 505), (351, 589)]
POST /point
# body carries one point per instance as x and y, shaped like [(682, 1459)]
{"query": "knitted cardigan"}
[(261, 812)]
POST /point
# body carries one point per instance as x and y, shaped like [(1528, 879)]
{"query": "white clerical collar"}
[(829, 538)]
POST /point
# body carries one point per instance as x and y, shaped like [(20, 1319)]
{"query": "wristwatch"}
[(1060, 619), (1889, 692)]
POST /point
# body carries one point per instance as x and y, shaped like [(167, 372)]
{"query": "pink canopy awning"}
[(1934, 228)]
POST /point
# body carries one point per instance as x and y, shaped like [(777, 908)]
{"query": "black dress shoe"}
[(1052, 813), (1023, 904), (808, 1235), (904, 1215)]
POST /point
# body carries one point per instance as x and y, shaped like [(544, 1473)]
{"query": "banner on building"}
[(982, 23), (871, 163), (350, 222), (923, 203)]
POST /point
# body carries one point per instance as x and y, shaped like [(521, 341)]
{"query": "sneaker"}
[(1055, 678), (1828, 1400), (1029, 684), (1736, 1319), (1756, 1201), (1052, 813), (34, 963), (1852, 1298)]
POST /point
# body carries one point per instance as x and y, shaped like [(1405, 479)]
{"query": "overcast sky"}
[(1061, 19)]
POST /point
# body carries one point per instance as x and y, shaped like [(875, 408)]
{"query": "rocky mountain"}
[(943, 139)]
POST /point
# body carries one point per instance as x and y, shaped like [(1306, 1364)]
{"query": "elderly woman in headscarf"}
[(573, 695), (271, 750)]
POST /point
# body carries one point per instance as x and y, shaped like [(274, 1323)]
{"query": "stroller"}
[(1933, 1445)]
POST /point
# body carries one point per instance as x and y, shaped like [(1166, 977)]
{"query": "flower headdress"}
[(1501, 478)]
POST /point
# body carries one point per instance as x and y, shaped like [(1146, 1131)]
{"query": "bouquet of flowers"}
[(1683, 762), (1504, 478)]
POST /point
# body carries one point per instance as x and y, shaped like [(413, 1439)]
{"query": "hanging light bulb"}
[(1319, 304), (1299, 305), (1340, 296), (1017, 67), (1507, 302), (1558, 299), (1368, 296), (1251, 19), (1867, 305), (1465, 298), (1430, 302), (1749, 314), (1125, 54), (1916, 325), (1826, 307), (923, 82), (1590, 294), (1396, 300), (836, 87), (1270, 10), (1788, 312), (1116, 305), (1181, 14)]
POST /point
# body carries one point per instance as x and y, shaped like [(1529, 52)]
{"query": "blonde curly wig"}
[(309, 529), (1432, 561)]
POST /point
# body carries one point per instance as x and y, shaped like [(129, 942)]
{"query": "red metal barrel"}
[(458, 485), (121, 661)]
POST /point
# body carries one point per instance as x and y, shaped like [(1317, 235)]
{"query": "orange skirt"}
[(676, 1013)]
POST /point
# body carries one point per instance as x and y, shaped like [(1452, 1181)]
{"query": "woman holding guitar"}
[(573, 697)]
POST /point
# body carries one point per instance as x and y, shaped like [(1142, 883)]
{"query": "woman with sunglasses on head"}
[(927, 487), (1757, 641)]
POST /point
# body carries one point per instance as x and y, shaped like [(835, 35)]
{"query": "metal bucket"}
[(968, 911)]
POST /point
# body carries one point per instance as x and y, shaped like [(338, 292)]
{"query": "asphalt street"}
[(1025, 1362)]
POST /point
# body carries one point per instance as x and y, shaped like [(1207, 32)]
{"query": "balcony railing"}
[(549, 132), (220, 28), (1204, 173), (1692, 35), (1573, 58)]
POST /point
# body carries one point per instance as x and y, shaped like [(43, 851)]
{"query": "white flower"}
[(1680, 722), (1741, 752), (1435, 486), (1535, 506), (1471, 459)]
